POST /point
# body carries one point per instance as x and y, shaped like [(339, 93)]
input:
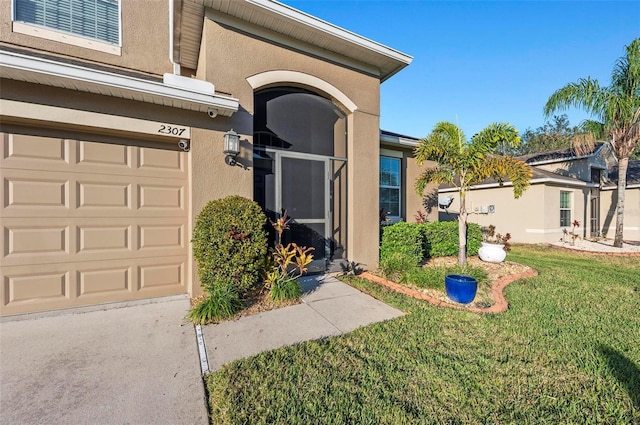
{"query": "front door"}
[(302, 190)]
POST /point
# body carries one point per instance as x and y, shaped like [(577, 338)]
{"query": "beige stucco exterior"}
[(608, 201), (532, 218), (535, 217), (144, 43), (237, 64)]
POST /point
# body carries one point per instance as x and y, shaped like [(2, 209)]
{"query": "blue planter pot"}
[(461, 289)]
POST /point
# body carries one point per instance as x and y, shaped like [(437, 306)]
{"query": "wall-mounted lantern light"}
[(231, 147)]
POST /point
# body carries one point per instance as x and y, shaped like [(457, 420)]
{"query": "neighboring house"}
[(113, 117), (565, 187)]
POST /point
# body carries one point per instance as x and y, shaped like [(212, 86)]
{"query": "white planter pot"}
[(492, 252)]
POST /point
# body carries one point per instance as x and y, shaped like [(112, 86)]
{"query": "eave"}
[(50, 72)]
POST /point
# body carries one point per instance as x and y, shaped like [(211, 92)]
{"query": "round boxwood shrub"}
[(230, 243)]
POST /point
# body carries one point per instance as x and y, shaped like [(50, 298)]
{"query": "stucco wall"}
[(532, 218), (228, 58), (608, 200), (145, 38)]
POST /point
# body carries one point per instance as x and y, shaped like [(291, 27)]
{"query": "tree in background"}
[(463, 164), (616, 112), (554, 134)]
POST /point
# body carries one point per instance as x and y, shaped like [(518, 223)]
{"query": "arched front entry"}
[(300, 166)]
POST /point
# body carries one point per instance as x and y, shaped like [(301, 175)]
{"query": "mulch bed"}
[(500, 275)]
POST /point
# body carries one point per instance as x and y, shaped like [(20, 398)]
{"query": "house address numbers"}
[(171, 130)]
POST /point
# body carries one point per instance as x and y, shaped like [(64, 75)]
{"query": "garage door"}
[(87, 223)]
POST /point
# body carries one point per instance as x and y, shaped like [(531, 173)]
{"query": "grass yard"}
[(567, 351)]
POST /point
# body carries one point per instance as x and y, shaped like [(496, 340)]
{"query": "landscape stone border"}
[(497, 290)]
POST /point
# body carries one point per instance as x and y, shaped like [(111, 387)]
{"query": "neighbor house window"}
[(565, 209), (93, 19), (596, 175), (390, 185)]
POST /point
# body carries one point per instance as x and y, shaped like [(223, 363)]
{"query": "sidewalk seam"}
[(324, 317)]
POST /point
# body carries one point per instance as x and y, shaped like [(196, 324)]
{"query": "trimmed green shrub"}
[(230, 243), (222, 303), (440, 238), (403, 241)]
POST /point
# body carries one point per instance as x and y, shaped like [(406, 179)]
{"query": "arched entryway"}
[(300, 166)]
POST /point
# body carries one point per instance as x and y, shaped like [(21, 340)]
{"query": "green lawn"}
[(567, 351)]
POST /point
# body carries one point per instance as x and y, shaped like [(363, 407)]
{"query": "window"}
[(596, 175), (565, 209), (390, 185), (94, 19)]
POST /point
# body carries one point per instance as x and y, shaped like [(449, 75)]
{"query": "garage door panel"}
[(155, 197), (56, 194), (105, 157), (21, 241), (31, 152), (103, 195), (25, 241), (162, 163), (159, 276), (23, 192), (92, 282), (86, 223), (31, 289)]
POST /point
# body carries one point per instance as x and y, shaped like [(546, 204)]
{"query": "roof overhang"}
[(546, 180), (572, 157), (394, 139), (171, 92), (281, 23)]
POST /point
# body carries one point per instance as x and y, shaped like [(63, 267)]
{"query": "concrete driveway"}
[(137, 364)]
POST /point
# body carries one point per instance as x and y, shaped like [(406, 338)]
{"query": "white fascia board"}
[(136, 88), (508, 184), (334, 30), (394, 140), (631, 186)]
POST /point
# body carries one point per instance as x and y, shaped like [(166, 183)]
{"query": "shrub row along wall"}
[(415, 242)]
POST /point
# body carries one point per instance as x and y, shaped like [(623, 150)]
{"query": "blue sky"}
[(478, 62)]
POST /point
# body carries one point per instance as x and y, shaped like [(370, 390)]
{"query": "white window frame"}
[(61, 36), (569, 209), (384, 153)]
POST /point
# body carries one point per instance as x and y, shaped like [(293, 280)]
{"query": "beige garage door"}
[(87, 223)]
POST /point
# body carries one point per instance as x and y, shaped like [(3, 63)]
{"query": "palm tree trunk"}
[(462, 231), (623, 164)]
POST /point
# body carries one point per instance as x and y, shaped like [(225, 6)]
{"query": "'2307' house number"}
[(172, 130)]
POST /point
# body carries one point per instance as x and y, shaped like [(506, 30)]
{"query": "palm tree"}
[(463, 164), (617, 112)]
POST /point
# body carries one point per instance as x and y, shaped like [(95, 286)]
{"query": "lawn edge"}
[(497, 290)]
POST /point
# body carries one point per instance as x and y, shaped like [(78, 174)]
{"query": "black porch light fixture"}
[(231, 147)]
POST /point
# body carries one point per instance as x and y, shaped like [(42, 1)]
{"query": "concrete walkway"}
[(132, 365), (329, 307), (138, 363)]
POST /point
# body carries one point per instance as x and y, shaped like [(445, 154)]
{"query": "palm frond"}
[(518, 172), (436, 175), (626, 73), (440, 145), (585, 93)]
